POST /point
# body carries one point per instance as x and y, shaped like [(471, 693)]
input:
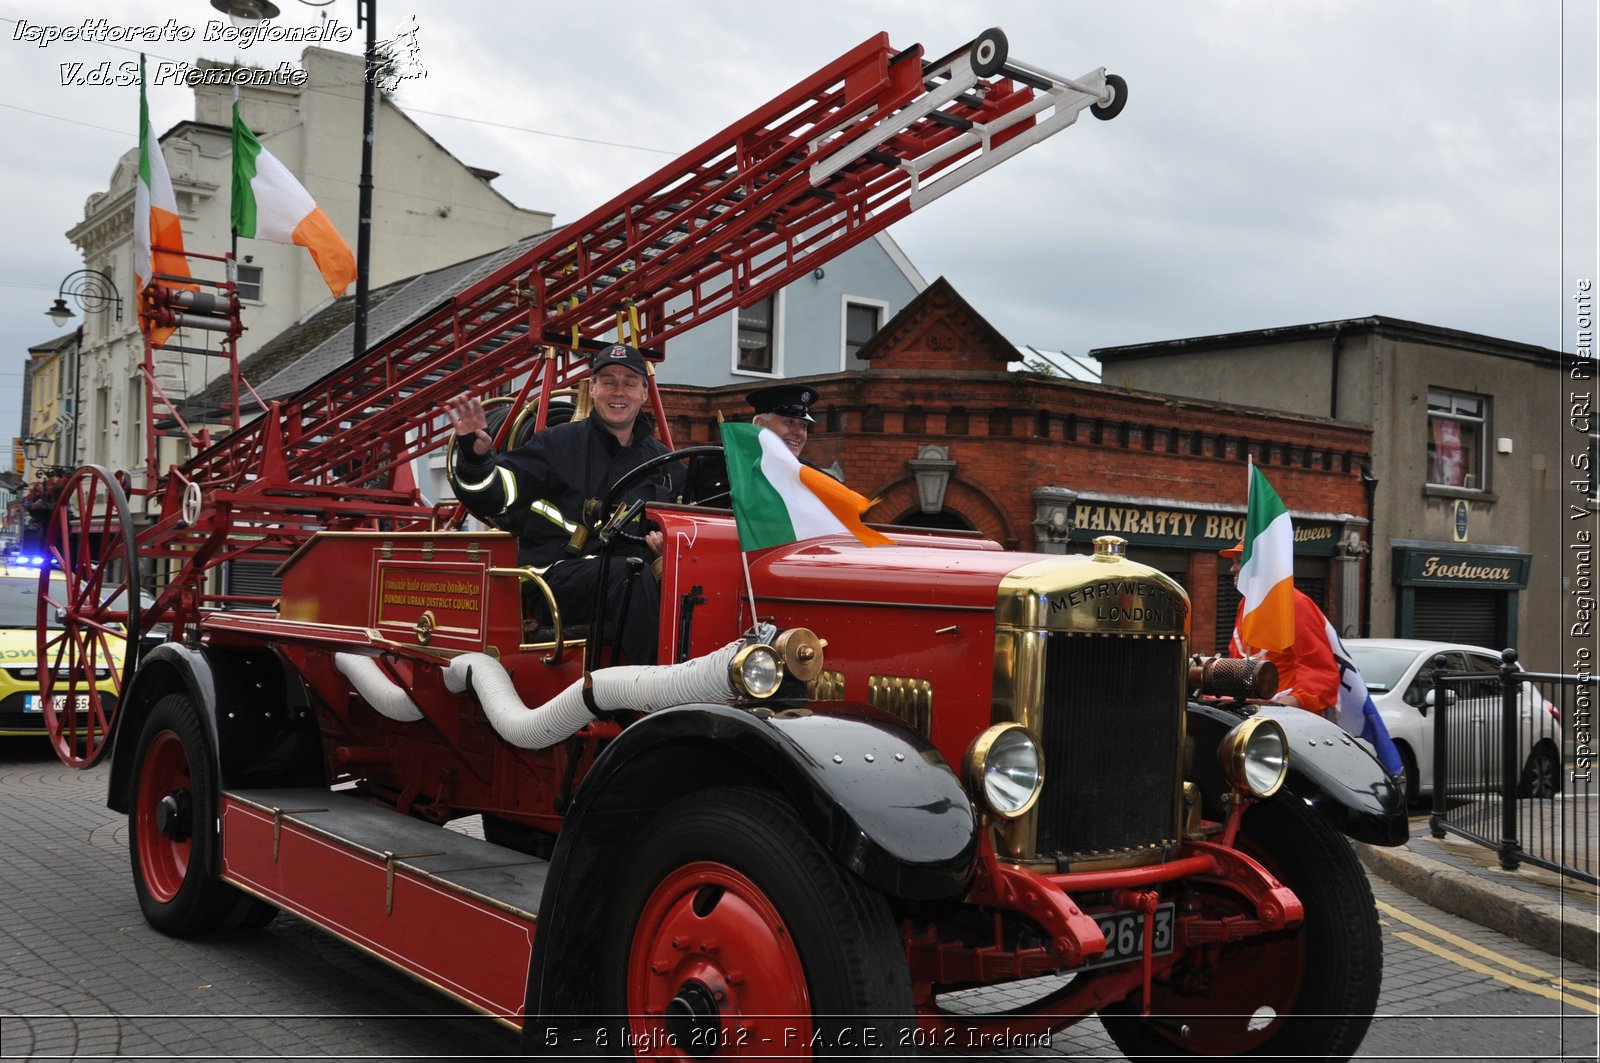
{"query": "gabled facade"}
[(939, 429), (429, 210), (817, 324)]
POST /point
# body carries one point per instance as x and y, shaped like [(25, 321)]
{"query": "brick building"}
[(941, 432)]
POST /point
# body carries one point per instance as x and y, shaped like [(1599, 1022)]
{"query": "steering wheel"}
[(692, 455)]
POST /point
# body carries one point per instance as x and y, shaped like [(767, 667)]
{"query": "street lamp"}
[(34, 448), (90, 289), (366, 15)]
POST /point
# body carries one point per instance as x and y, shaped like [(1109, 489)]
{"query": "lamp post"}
[(90, 289), (366, 16)]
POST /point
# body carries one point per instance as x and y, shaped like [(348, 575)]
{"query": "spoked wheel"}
[(172, 835), (88, 622), (1306, 992), (739, 937)]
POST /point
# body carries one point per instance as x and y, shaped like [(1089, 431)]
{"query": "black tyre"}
[(1541, 775), (1304, 993), (989, 52), (736, 931), (1117, 90), (172, 836), (1410, 781)]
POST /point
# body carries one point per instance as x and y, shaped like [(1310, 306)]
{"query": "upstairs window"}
[(1457, 432), (250, 284), (861, 322), (757, 333)]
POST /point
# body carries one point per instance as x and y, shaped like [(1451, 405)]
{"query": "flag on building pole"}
[(157, 229), (777, 500), (1357, 714), (1266, 569), (269, 204)]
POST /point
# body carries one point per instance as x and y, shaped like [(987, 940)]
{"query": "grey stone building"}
[(1472, 451)]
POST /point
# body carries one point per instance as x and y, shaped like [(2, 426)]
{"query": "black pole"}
[(368, 10)]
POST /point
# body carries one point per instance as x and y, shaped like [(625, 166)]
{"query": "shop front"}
[(1455, 592), (1182, 539)]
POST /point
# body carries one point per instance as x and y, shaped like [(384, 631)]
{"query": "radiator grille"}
[(1112, 722)]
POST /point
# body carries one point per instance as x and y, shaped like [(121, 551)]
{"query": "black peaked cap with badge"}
[(786, 400), (619, 354)]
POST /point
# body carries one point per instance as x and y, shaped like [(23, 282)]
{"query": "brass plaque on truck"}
[(435, 603)]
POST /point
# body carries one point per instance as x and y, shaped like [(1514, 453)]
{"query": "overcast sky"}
[(1278, 162)]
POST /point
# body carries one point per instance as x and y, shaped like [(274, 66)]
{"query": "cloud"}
[(1276, 163)]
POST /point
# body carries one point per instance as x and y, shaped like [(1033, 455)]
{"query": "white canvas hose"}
[(638, 688), (374, 684)]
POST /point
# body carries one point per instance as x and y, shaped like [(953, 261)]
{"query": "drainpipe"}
[(1333, 385), (1370, 483)]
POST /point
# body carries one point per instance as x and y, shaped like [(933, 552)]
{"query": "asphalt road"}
[(83, 977)]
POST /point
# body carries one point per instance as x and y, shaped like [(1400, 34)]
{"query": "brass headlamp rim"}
[(974, 764), (1232, 755)]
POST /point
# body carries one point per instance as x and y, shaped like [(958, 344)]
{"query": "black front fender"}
[(1328, 769), (875, 794)]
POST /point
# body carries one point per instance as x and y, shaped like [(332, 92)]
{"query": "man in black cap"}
[(541, 486), (786, 409)]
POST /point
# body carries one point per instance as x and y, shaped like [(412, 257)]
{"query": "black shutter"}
[(1469, 616)]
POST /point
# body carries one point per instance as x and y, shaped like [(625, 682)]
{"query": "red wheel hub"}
[(714, 971), (163, 814)]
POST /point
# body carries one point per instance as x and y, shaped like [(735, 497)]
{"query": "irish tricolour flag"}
[(1266, 570), (269, 204), (777, 500), (157, 230)]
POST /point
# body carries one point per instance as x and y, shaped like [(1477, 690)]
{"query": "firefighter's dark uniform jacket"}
[(539, 488)]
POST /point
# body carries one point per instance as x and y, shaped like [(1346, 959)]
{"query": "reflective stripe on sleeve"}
[(551, 514)]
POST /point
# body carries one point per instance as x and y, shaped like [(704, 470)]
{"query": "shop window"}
[(1457, 429)]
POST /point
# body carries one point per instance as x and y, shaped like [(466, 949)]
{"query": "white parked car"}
[(1399, 675)]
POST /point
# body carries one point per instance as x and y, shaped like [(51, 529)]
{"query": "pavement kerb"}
[(1569, 931)]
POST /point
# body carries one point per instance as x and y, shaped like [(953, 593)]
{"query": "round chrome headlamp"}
[(756, 671), (1004, 770), (1254, 756)]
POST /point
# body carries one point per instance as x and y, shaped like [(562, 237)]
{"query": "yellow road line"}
[(1499, 976), (1478, 950)]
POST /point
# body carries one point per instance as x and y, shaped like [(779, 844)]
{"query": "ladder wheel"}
[(1115, 99), (989, 52), (88, 623)]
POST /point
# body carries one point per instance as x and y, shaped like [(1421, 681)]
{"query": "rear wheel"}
[(738, 935), (1541, 775), (1306, 992), (172, 833)]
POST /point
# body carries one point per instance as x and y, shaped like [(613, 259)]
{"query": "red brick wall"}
[(938, 376)]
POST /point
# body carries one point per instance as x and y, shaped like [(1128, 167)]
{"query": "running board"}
[(451, 910)]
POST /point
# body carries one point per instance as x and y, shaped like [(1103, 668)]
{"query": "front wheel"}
[(1304, 993), (172, 831), (738, 936)]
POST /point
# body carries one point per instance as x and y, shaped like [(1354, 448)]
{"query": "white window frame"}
[(260, 282), (845, 303), (776, 372)]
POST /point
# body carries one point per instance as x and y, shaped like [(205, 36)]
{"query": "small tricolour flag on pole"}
[(777, 500), (269, 204), (157, 229), (1266, 569)]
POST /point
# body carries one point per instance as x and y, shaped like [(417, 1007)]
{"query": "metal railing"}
[(1512, 766)]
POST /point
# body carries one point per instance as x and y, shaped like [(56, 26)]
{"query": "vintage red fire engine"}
[(905, 772)]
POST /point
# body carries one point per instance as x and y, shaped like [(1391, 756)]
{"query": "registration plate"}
[(35, 703), (1124, 933)]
